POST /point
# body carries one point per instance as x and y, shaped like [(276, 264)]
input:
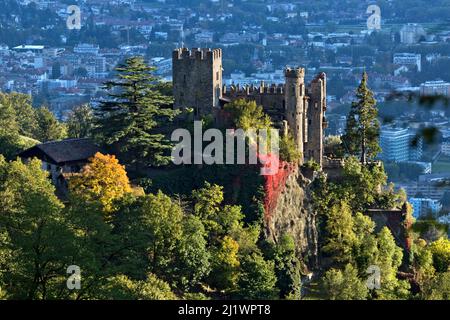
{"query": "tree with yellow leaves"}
[(102, 180)]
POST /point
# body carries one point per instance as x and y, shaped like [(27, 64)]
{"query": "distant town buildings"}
[(445, 148), (435, 88), (424, 207), (85, 48), (397, 145), (408, 60), (411, 33), (29, 48)]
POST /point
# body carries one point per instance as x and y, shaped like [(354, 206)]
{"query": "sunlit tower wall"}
[(296, 105), (317, 92), (197, 79)]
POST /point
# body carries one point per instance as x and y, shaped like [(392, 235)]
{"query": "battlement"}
[(250, 90), (197, 54), (294, 73)]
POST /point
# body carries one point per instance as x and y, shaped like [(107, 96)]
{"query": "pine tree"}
[(80, 122), (363, 127), (127, 123)]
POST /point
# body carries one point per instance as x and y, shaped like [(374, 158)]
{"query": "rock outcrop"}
[(288, 210)]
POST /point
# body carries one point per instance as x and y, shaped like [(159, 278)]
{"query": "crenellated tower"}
[(296, 106), (317, 92), (197, 79)]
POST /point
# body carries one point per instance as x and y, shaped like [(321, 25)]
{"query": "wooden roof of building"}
[(64, 151)]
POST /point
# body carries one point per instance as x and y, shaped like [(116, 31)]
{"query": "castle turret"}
[(197, 79), (316, 118), (296, 105)]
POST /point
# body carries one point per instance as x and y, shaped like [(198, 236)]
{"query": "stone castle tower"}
[(294, 107), (197, 79)]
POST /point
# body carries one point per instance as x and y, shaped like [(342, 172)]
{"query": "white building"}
[(425, 206), (411, 33), (396, 145), (86, 48), (204, 37), (408, 59), (435, 88), (29, 48), (163, 65), (445, 148)]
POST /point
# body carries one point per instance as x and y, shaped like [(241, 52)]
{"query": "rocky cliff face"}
[(291, 212)]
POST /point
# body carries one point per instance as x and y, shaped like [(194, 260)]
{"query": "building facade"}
[(424, 207), (397, 145), (411, 33), (445, 148), (435, 88), (408, 59)]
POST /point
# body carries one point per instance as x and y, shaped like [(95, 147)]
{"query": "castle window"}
[(309, 121), (217, 75)]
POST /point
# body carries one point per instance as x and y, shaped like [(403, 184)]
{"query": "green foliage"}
[(361, 184), (422, 263), (287, 267), (36, 246), (440, 288), (163, 240), (120, 287), (362, 131), (48, 128), (219, 220), (441, 254), (17, 119), (348, 236), (225, 273), (242, 185), (344, 284), (80, 122), (192, 257), (333, 146), (340, 234), (389, 259), (257, 279), (24, 114), (248, 115), (429, 229), (288, 150), (127, 123), (313, 165)]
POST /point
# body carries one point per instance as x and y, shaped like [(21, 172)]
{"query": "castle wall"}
[(197, 79), (271, 98)]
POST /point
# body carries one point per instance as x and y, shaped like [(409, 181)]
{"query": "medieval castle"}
[(293, 107)]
